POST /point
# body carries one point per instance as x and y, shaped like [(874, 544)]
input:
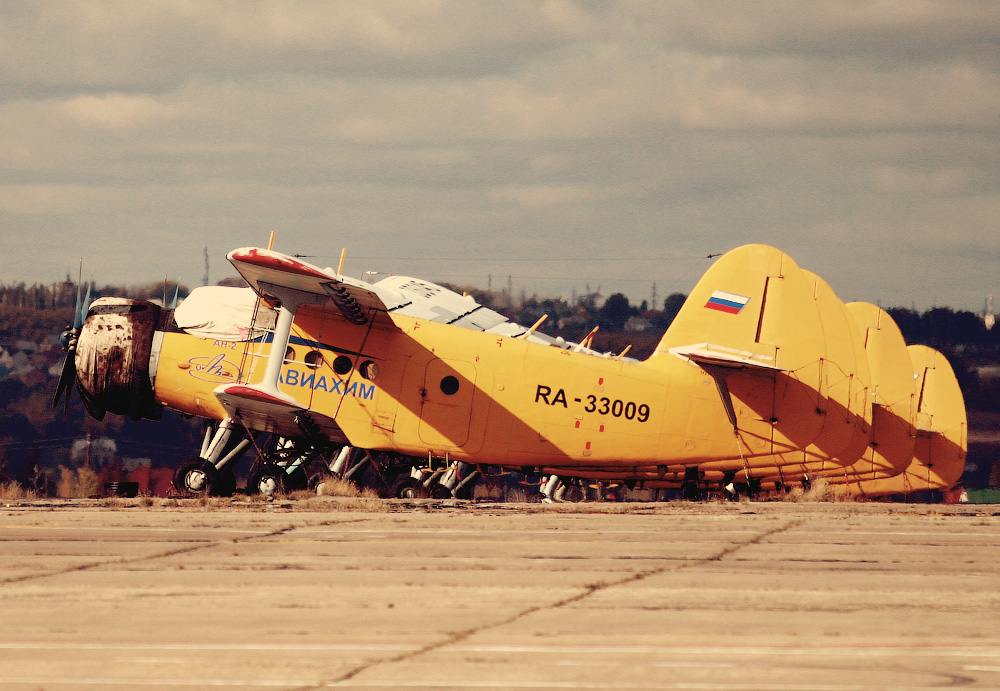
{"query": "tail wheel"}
[(195, 477), (267, 480)]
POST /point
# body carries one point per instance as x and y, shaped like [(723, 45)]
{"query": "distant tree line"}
[(32, 435)]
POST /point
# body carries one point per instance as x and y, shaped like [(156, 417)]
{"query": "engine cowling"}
[(113, 358)]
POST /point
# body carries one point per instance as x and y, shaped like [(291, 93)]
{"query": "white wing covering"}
[(289, 280), (426, 300), (224, 314)]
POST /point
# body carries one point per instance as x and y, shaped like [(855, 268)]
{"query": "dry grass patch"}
[(331, 486), (821, 491), (12, 490), (77, 483)]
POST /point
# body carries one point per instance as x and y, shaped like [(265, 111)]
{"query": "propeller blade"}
[(81, 312), (69, 337), (66, 377), (77, 322)]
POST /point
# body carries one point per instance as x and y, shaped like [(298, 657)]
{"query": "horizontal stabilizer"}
[(720, 356)]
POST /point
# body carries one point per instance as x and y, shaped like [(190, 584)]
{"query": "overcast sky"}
[(561, 143)]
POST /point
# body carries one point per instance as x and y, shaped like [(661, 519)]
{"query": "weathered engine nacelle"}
[(113, 358)]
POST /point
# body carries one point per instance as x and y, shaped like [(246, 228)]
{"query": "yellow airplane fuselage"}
[(436, 390), (764, 371)]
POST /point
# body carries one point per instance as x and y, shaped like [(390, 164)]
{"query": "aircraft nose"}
[(113, 358)]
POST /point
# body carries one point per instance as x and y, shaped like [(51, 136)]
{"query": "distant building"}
[(637, 324)]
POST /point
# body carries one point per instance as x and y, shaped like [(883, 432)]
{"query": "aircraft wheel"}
[(316, 479), (225, 486), (408, 488), (297, 480), (267, 480), (440, 492), (195, 477)]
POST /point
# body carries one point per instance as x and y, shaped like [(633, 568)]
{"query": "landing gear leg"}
[(458, 478), (470, 476), (551, 490), (209, 473), (729, 491)]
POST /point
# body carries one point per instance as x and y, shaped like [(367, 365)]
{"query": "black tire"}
[(440, 492), (226, 485), (121, 489), (267, 479), (296, 480), (316, 479), (408, 488), (195, 477)]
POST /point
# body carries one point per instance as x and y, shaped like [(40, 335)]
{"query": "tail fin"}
[(753, 307), (941, 429), (893, 393), (845, 384), (753, 315), (942, 426)]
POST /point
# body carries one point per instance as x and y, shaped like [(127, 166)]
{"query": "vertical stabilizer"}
[(753, 320), (941, 429)]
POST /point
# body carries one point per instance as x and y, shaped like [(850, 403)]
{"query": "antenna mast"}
[(204, 281)]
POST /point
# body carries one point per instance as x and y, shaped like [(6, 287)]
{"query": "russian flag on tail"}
[(730, 303)]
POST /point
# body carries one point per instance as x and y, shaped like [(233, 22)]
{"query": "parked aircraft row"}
[(765, 379)]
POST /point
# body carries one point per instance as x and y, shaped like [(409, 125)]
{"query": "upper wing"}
[(279, 278)]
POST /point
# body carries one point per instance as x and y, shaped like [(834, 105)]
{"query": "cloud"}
[(854, 135)]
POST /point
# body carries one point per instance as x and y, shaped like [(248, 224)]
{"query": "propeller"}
[(69, 339)]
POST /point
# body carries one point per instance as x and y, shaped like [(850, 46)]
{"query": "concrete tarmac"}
[(355, 593)]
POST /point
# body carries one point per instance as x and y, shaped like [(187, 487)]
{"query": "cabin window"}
[(342, 365), (449, 385), (368, 369), (289, 354), (314, 359)]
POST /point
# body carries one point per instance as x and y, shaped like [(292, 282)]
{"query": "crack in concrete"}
[(588, 590), (200, 545)]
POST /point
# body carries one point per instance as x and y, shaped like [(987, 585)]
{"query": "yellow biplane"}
[(764, 379)]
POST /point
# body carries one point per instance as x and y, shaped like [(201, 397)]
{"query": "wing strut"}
[(282, 332), (720, 374), (719, 362), (263, 405)]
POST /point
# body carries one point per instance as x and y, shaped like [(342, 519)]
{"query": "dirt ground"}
[(332, 593)]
